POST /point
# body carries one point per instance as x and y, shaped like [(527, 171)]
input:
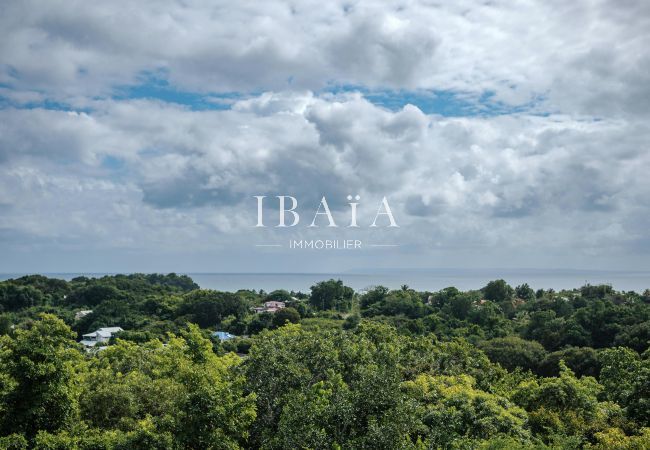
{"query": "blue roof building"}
[(223, 335)]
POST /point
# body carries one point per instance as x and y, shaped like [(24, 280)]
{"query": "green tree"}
[(498, 291), (461, 305), (285, 315), (525, 292), (582, 360), (213, 413), (318, 416), (15, 297), (41, 366), (564, 405), (599, 291), (208, 308), (327, 389), (636, 336), (351, 322), (626, 378), (452, 409), (490, 318), (5, 324), (615, 439), (373, 296), (14, 441), (443, 297), (331, 294), (94, 294), (181, 390), (399, 302), (513, 352), (279, 295), (259, 322)]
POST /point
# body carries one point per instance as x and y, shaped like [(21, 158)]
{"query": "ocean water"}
[(422, 280)]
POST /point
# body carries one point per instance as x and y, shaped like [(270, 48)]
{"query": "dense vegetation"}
[(501, 367)]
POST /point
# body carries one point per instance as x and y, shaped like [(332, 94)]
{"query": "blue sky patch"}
[(158, 88), (155, 86), (441, 102)]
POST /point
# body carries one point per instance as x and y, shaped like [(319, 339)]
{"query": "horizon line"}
[(344, 272)]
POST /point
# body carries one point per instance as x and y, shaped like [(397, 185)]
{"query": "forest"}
[(501, 367)]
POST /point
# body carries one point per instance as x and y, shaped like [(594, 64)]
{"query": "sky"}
[(135, 135)]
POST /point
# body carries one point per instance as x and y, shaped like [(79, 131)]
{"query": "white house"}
[(100, 336)]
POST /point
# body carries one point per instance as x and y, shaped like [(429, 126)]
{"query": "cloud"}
[(582, 57), (375, 48), (69, 134), (454, 183), (89, 160)]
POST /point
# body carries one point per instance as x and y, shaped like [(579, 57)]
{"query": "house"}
[(83, 313), (223, 335), (269, 307), (101, 336), (273, 306)]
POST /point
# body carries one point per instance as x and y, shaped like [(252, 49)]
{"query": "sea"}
[(418, 279)]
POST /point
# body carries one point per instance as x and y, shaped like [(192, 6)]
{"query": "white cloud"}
[(150, 176), (499, 184), (584, 57)]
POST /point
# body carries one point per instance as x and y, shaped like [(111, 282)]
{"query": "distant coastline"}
[(420, 279)]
